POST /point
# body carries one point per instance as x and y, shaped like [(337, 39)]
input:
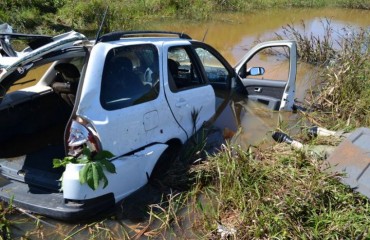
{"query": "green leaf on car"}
[(103, 155), (92, 173), (108, 165)]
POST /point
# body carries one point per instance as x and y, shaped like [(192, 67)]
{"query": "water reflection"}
[(233, 34)]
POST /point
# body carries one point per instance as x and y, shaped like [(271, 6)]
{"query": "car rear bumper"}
[(52, 204)]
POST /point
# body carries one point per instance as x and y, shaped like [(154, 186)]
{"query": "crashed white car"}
[(131, 93)]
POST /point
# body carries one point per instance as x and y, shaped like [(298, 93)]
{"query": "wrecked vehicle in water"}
[(137, 94)]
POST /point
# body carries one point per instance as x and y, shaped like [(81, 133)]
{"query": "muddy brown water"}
[(232, 35)]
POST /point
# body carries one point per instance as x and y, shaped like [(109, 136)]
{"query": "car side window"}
[(182, 71), (130, 76), (274, 61), (216, 72)]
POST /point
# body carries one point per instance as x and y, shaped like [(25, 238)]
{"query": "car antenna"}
[(101, 25), (204, 36)]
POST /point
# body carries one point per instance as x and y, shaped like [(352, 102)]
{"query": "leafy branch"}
[(92, 172)]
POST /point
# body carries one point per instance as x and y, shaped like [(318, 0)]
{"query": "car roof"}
[(75, 41), (119, 37), (157, 41), (157, 38)]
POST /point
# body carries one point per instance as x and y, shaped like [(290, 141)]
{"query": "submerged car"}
[(136, 94)]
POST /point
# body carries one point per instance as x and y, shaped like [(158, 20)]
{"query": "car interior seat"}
[(131, 81), (66, 82), (173, 68), (123, 82)]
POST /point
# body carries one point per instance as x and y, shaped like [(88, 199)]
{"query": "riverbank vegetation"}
[(51, 17), (341, 99), (271, 193)]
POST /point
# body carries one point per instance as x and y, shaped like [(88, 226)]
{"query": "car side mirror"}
[(256, 71)]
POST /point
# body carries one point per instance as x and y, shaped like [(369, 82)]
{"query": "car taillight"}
[(80, 135)]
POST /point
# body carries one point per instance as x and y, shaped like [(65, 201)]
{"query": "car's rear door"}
[(189, 95), (268, 73)]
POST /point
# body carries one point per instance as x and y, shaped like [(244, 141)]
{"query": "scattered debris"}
[(321, 151), (352, 157), (282, 137), (228, 134), (226, 231), (5, 28), (318, 131)]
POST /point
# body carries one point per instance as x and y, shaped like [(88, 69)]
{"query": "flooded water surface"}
[(232, 35)]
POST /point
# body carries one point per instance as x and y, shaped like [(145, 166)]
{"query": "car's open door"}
[(268, 73)]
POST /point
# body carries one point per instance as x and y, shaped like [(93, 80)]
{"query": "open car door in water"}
[(268, 73)]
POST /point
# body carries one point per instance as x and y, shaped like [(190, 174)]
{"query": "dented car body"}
[(131, 93)]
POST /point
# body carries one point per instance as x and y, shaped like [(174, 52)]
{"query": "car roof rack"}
[(114, 36)]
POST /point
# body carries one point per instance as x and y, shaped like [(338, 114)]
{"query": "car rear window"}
[(130, 76)]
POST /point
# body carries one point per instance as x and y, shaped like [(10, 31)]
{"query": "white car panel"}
[(124, 130), (132, 172)]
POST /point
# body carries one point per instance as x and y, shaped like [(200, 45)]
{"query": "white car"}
[(136, 94)]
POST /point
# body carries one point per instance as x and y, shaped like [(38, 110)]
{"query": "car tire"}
[(165, 161)]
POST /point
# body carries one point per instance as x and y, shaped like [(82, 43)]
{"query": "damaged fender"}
[(132, 172)]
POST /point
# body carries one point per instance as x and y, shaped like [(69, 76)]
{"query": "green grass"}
[(274, 193), (287, 195)]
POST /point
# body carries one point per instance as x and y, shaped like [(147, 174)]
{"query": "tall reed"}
[(341, 99)]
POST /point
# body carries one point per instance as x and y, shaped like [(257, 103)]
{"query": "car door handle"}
[(258, 89), (180, 103)]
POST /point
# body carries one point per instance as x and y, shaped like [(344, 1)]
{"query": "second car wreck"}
[(131, 93)]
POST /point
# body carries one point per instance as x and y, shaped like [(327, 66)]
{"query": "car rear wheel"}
[(166, 160)]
